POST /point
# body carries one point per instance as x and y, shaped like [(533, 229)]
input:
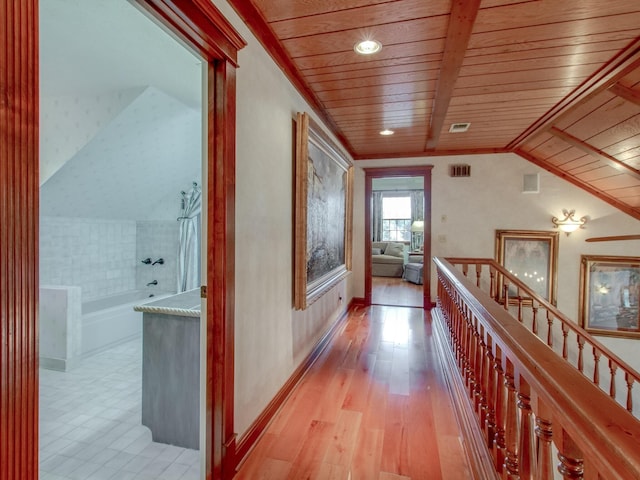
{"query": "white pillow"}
[(376, 251), (394, 249)]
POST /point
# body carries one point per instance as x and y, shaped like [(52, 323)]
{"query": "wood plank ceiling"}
[(555, 81)]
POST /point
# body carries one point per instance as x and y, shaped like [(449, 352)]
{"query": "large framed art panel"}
[(323, 213), (532, 256), (609, 289)]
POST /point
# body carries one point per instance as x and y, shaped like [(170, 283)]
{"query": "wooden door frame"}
[(423, 171), (203, 29)]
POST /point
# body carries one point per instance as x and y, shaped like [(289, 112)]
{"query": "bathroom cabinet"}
[(171, 369)]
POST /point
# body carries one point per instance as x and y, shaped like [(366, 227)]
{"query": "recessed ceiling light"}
[(367, 47), (459, 127), (386, 131)]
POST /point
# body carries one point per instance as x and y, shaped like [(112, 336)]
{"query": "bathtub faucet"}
[(155, 282)]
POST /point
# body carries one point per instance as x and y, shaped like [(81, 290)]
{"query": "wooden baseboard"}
[(474, 443), (257, 428), (356, 302)]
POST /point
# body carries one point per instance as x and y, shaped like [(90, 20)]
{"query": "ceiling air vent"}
[(460, 170), (459, 127)]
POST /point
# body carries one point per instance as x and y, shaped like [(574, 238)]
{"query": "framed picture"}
[(531, 256), (609, 288), (323, 215)]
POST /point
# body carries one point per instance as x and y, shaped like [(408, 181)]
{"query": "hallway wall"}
[(271, 338)]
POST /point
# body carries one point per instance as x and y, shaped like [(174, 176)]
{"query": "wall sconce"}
[(568, 224)]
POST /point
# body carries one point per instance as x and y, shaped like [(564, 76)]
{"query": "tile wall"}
[(103, 257), (157, 239)]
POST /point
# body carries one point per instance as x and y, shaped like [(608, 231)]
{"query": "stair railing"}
[(532, 397)]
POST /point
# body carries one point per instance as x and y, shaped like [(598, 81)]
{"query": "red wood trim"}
[(206, 31), (579, 183), (251, 437), (623, 63), (411, 171), (200, 25), (461, 19), (431, 153), (594, 152), (613, 238), (19, 191), (356, 302), (260, 28), (626, 93)]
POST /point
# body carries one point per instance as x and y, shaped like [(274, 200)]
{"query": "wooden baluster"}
[(534, 318), (565, 349), (629, 381), (544, 433), (473, 346), (492, 284), (549, 329), (478, 274), (506, 294), (511, 471), (571, 462), (490, 413), (612, 385), (465, 269), (466, 350), (520, 302), (481, 390), (580, 353), (526, 445), (501, 405), (477, 367), (596, 366)]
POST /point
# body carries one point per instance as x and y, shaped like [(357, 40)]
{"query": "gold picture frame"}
[(532, 256), (609, 289), (323, 213)]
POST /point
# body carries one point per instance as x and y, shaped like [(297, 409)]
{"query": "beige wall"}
[(272, 338)]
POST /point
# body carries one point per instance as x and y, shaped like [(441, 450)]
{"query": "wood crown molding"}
[(431, 153), (200, 26), (260, 28)]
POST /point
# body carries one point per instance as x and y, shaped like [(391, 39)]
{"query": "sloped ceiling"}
[(116, 152), (555, 81), (133, 168)]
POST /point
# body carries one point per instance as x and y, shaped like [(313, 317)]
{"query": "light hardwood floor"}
[(375, 405), (395, 291)]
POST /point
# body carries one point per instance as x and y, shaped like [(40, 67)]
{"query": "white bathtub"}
[(111, 320), (70, 331)]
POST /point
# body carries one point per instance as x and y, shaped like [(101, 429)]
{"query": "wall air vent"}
[(460, 170), (459, 127)]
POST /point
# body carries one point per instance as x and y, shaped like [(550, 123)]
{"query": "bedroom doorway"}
[(384, 282)]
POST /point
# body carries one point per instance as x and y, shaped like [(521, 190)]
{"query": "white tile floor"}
[(90, 424)]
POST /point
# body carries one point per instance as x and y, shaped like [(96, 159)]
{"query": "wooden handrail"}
[(598, 350), (514, 377)]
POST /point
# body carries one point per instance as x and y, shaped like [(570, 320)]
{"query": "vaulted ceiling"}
[(555, 81)]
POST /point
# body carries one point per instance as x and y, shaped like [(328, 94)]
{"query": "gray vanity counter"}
[(186, 304), (171, 369)]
